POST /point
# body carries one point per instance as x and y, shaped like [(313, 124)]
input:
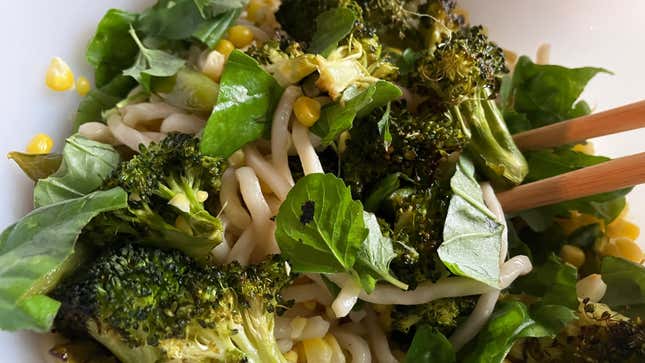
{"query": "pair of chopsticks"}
[(612, 175)]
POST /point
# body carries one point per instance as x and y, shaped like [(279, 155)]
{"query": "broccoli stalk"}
[(149, 305)]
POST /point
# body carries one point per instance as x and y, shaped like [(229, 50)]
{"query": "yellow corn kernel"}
[(577, 220), (336, 351), (40, 144), (623, 228), (59, 76), (317, 350), (225, 47), (291, 356), (240, 36), (586, 148), (83, 86), (256, 11), (307, 110), (628, 250), (573, 255)]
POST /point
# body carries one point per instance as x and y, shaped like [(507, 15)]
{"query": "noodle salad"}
[(315, 181)]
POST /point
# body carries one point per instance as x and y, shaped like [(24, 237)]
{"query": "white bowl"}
[(581, 32)]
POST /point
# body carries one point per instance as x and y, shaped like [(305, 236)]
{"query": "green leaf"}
[(554, 282), (35, 253), (36, 166), (101, 99), (547, 93), (382, 191), (407, 61), (247, 98), (551, 162), (384, 127), (171, 19), (430, 346), (374, 257), (332, 26), (152, 63), (625, 285), (211, 8), (112, 49), (210, 32), (510, 322), (319, 227), (86, 164), (472, 234), (338, 117)]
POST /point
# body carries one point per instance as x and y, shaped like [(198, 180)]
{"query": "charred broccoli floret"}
[(443, 314), (168, 185), (149, 305), (460, 76), (285, 60)]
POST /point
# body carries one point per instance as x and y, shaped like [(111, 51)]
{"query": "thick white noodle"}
[(267, 172), (154, 136), (230, 200), (494, 205), (181, 122), (284, 345), (308, 156), (125, 134), (282, 327), (242, 249), (280, 137), (307, 292), (97, 131), (354, 344), (252, 194), (514, 268), (315, 327), (274, 203), (146, 113), (211, 63), (347, 297), (378, 340)]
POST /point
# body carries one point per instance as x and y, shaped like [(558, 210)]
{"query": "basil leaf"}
[(211, 8), (211, 31), (247, 98), (152, 63), (101, 99), (35, 252), (374, 257), (472, 235), (36, 166), (625, 285), (547, 94), (319, 228), (554, 282), (112, 49), (86, 164), (338, 117), (171, 19), (510, 322), (332, 26), (430, 346)]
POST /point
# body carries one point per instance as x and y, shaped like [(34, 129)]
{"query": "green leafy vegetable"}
[(86, 164), (332, 26), (625, 285), (101, 99), (152, 63), (374, 257), (511, 321), (384, 127), (430, 346), (319, 227), (472, 234), (189, 89), (112, 49), (35, 251), (338, 117), (554, 282), (547, 93), (36, 166), (211, 31), (382, 191), (247, 98)]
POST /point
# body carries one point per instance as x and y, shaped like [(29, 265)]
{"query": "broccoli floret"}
[(168, 184), (285, 60), (599, 336), (443, 314), (419, 142), (150, 305), (461, 76)]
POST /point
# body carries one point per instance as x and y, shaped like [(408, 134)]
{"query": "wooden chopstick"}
[(609, 122), (606, 177)]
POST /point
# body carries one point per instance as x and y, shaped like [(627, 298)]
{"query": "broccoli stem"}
[(491, 144)]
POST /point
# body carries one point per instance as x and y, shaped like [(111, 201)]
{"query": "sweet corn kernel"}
[(59, 76), (83, 86), (573, 255), (291, 356), (317, 350), (623, 228), (240, 36), (257, 11), (40, 144), (586, 148), (224, 47), (307, 110), (628, 250), (577, 220)]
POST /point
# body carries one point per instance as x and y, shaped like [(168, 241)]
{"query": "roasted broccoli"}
[(461, 75), (599, 336), (149, 305), (285, 60), (168, 184), (443, 314)]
